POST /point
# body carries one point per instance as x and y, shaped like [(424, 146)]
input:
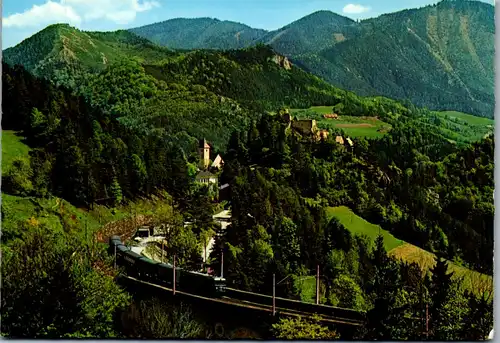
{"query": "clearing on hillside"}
[(471, 279), (462, 127), (469, 118), (368, 127), (358, 225), (407, 252), (12, 147)]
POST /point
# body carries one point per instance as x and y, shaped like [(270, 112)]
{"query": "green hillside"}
[(359, 226), (440, 56), (461, 127), (407, 252), (64, 54), (12, 148)]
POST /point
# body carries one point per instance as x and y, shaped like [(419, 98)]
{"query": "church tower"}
[(204, 151)]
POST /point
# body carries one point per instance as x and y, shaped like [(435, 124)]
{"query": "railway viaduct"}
[(254, 314)]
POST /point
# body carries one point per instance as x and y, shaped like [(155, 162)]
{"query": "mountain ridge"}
[(195, 33), (437, 56)]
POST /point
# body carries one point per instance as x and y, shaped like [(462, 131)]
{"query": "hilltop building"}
[(305, 126), (322, 134)]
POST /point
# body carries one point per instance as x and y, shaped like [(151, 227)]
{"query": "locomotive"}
[(146, 269)]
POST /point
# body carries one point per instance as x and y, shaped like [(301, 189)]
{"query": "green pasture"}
[(353, 126), (407, 252), (12, 147)]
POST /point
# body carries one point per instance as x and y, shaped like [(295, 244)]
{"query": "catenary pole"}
[(174, 276), (317, 284), (222, 263), (274, 294)]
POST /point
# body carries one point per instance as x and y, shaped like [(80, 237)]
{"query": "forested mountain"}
[(311, 34), (65, 54), (113, 116), (440, 56), (206, 33), (107, 68), (202, 93)]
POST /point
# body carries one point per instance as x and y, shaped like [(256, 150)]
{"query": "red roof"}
[(204, 144)]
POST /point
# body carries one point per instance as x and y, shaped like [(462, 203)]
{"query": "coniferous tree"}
[(116, 191), (441, 290), (478, 320), (385, 319)]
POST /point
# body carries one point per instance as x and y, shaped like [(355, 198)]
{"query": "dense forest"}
[(413, 184), (281, 184), (128, 131)]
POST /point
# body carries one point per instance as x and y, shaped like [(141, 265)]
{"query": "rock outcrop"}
[(282, 61)]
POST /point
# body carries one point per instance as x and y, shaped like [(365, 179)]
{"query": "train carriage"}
[(199, 283), (143, 268), (148, 269), (114, 242), (166, 276), (129, 260)]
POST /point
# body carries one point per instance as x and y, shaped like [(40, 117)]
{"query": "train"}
[(146, 269)]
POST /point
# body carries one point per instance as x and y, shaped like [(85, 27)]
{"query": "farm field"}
[(408, 252), (368, 127)]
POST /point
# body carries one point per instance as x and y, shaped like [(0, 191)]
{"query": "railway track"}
[(294, 312), (347, 315), (254, 305)]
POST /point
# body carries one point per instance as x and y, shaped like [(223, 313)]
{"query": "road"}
[(223, 218)]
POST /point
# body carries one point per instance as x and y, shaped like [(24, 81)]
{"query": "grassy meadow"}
[(407, 252), (358, 226), (461, 127), (368, 127), (12, 147), (456, 126)]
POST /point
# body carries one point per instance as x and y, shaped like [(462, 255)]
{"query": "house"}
[(339, 140), (204, 151), (206, 177), (331, 116), (322, 134), (218, 162)]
